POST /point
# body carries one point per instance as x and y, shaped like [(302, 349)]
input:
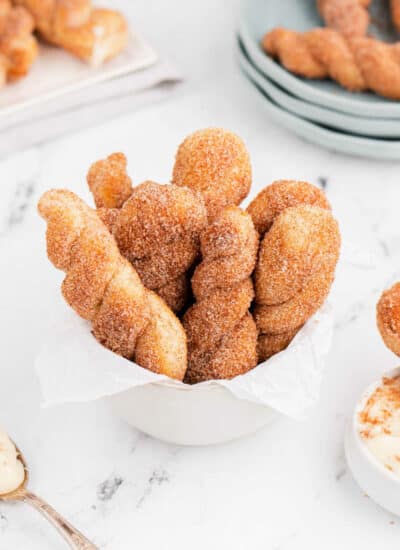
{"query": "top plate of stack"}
[(259, 17)]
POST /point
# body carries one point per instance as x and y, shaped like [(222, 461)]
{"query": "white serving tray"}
[(57, 73)]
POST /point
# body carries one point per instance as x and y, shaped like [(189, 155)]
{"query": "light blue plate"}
[(259, 16), (323, 137), (314, 113)]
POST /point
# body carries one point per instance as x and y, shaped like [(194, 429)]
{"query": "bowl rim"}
[(392, 373)]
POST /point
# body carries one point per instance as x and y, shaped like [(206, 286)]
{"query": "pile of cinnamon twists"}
[(178, 277), (342, 51), (92, 34)]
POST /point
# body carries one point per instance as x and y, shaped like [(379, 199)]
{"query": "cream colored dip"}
[(12, 472), (380, 424)]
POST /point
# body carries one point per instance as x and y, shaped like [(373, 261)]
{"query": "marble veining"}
[(284, 488)]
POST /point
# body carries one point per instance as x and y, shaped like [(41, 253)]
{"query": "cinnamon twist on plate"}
[(222, 335), (157, 227), (18, 46), (214, 162), (296, 261), (388, 318), (104, 288), (357, 63), (92, 34)]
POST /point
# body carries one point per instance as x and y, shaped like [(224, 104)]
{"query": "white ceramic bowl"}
[(373, 478), (205, 415)]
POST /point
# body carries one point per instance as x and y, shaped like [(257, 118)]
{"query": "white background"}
[(285, 488)]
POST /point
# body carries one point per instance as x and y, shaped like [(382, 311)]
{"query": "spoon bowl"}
[(73, 537)]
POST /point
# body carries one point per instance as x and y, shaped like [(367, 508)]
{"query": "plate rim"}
[(350, 145), (301, 87), (313, 112)]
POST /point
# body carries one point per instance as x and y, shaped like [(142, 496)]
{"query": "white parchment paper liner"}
[(73, 367)]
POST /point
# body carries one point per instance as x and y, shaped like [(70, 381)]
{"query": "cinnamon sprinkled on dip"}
[(380, 424)]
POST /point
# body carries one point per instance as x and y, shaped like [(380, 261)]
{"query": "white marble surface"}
[(287, 487)]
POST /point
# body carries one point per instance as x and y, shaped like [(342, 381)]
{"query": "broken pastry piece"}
[(104, 288), (92, 34)]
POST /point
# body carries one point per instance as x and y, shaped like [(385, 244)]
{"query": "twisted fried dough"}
[(357, 63), (109, 182), (94, 35), (214, 162), (158, 230), (222, 335), (18, 46), (157, 227), (388, 317), (349, 17), (103, 287), (296, 262)]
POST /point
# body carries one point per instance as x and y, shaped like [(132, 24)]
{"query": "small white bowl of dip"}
[(372, 442)]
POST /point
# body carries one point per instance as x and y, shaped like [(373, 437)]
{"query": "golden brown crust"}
[(109, 182), (158, 230), (214, 162), (271, 344), (296, 261), (349, 17), (18, 46), (357, 63), (278, 196), (94, 35), (177, 293), (105, 289), (221, 333), (162, 346), (388, 317)]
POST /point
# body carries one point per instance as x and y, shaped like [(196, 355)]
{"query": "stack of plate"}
[(320, 111)]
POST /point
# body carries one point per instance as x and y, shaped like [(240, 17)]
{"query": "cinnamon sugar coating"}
[(349, 17), (102, 287), (278, 196), (222, 336), (18, 46), (357, 63), (109, 182), (157, 227), (92, 34), (271, 344), (296, 260), (388, 317), (215, 163), (158, 230)]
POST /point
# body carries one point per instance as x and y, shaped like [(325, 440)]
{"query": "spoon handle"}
[(75, 539)]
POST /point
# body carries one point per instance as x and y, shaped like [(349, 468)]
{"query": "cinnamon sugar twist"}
[(103, 288), (296, 261), (357, 63), (388, 317), (157, 227), (92, 34), (349, 17), (222, 335), (215, 163), (18, 46)]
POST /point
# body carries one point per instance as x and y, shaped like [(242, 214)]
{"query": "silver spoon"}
[(75, 539)]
